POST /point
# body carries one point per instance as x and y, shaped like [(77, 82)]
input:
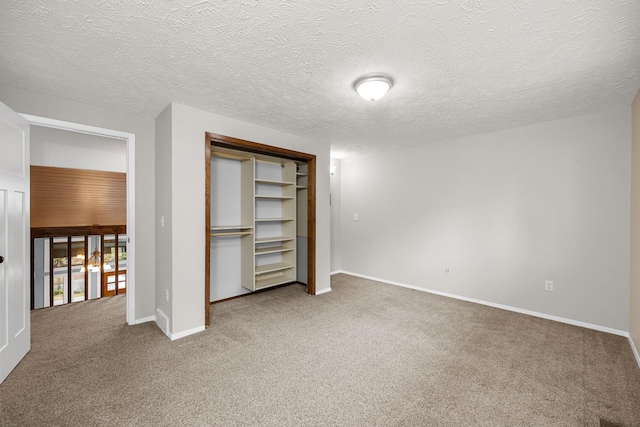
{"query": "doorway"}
[(129, 138), (221, 141)]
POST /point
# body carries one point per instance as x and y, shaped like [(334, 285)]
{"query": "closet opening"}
[(260, 214)]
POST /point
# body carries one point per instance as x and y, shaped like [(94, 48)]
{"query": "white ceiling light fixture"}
[(373, 86)]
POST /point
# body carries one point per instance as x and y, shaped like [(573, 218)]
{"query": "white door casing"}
[(15, 330)]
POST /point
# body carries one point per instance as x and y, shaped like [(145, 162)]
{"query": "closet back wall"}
[(226, 259)]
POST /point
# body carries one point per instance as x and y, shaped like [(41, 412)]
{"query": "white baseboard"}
[(336, 272), (500, 306), (163, 322), (323, 291), (186, 333), (634, 349), (145, 320)]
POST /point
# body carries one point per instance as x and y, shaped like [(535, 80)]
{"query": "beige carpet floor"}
[(365, 354)]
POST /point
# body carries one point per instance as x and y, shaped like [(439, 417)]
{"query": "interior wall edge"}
[(634, 349), (634, 256)]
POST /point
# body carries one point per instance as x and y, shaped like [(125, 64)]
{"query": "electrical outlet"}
[(162, 221), (166, 294), (548, 285)]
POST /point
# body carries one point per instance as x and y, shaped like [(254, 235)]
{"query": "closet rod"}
[(231, 233), (229, 155)]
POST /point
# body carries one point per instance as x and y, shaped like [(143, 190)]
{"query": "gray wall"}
[(503, 211), (43, 105)]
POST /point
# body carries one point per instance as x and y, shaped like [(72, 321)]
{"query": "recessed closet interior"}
[(258, 220)]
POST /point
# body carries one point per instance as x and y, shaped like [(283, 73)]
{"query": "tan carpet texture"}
[(365, 354)]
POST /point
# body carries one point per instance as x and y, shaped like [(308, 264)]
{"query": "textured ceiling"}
[(460, 67)]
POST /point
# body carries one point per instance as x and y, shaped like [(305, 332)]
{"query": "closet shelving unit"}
[(274, 223), (254, 201), (302, 179), (301, 176), (266, 248)]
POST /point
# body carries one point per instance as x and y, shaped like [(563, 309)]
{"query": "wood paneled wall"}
[(63, 197)]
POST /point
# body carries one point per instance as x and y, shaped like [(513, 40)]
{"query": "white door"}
[(15, 333)]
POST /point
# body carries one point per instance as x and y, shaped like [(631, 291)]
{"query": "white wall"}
[(187, 207), (503, 211), (164, 246), (634, 296), (336, 230), (65, 149), (43, 105)]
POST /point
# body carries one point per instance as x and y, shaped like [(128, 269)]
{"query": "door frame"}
[(130, 139), (215, 140)]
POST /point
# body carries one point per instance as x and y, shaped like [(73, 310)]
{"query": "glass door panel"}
[(122, 252), (77, 258), (60, 288)]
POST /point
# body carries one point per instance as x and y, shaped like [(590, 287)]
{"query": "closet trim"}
[(215, 140)]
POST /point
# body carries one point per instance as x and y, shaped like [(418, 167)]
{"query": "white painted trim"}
[(336, 272), (635, 350), (500, 306), (75, 127), (186, 333), (145, 320), (130, 138), (323, 291)]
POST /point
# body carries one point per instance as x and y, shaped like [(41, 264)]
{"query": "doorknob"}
[(1, 259)]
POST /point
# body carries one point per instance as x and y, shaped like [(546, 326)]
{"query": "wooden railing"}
[(58, 256)]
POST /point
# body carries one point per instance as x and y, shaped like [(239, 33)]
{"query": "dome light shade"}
[(373, 86)]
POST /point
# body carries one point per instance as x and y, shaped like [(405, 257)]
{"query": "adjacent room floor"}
[(365, 354)]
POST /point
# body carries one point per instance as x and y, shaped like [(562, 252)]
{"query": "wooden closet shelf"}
[(273, 250), (274, 239), (266, 282), (231, 233), (259, 196), (270, 268), (271, 182), (231, 227), (230, 230)]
